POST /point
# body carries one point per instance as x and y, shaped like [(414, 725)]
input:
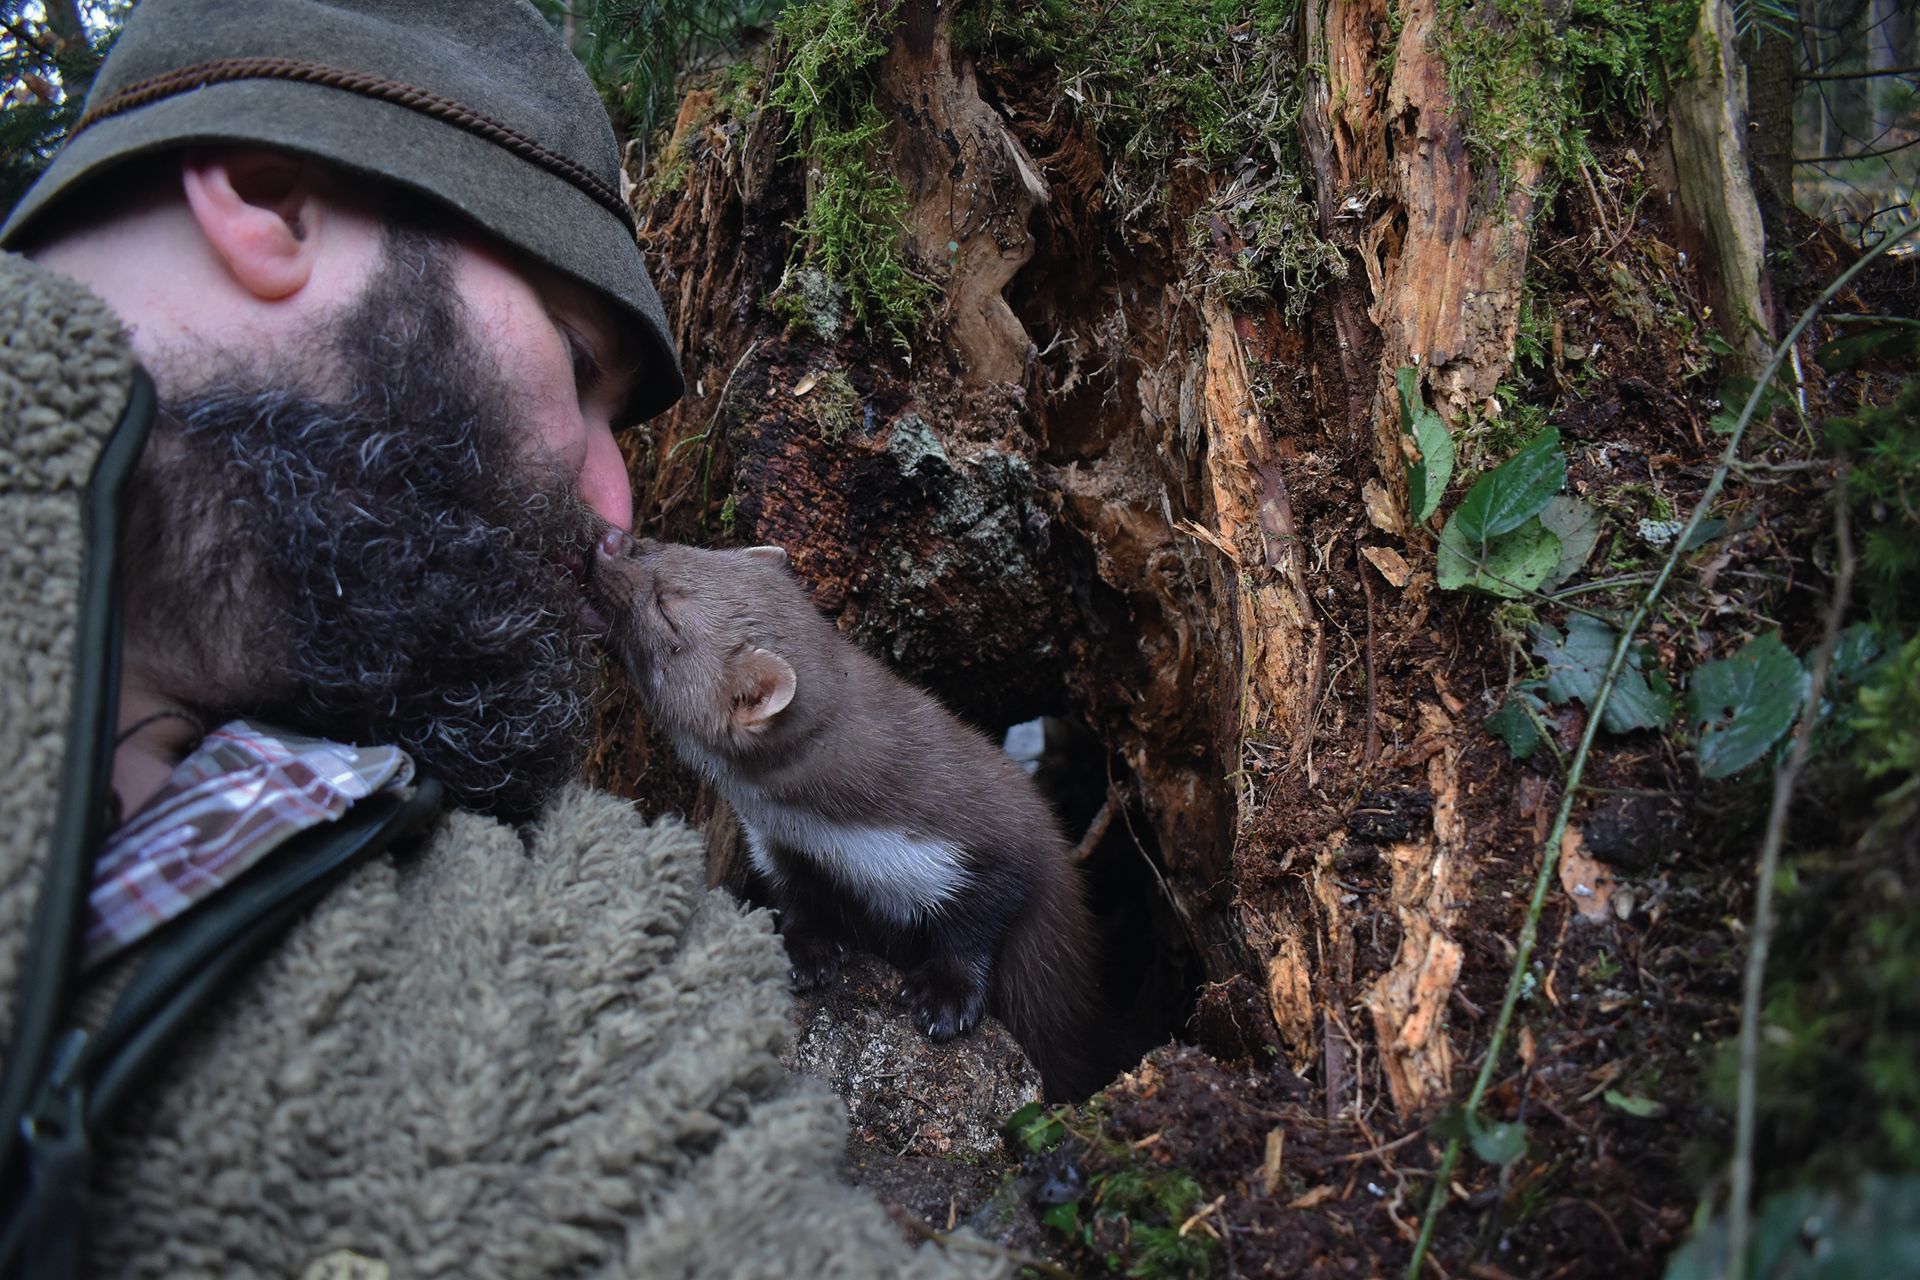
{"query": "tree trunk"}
[(1098, 492)]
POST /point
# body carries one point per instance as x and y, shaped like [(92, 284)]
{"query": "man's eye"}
[(587, 370)]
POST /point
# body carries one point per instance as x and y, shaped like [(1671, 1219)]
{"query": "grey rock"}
[(906, 1095)]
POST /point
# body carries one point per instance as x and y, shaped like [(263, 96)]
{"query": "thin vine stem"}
[(1760, 933), (1550, 849)]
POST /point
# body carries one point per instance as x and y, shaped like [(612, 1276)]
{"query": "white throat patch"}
[(902, 878)]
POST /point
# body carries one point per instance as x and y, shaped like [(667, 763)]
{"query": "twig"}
[(1372, 751), (1382, 1149), (1859, 155), (1096, 830), (1860, 75), (1550, 850), (1739, 1220)]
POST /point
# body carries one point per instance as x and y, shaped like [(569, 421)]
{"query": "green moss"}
[(854, 226), (1532, 78), (1168, 84), (1281, 254), (1129, 1220), (835, 406), (811, 303), (737, 90)]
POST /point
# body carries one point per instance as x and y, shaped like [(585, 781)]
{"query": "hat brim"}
[(513, 199)]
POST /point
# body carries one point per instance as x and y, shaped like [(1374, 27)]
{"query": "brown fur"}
[(875, 815)]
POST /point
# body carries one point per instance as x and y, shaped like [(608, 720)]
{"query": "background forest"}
[(1434, 488)]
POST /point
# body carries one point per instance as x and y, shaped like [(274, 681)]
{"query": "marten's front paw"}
[(815, 960), (946, 998)]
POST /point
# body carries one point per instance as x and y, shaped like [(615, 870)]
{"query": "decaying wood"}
[(1443, 240), (1280, 645), (1709, 114), (1408, 1003), (1114, 524), (972, 189)]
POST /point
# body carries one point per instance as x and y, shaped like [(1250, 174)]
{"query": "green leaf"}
[(1500, 1143), (1733, 398), (1513, 492), (1064, 1218), (1035, 1127), (1703, 533), (1513, 726), (1638, 1107), (1577, 664), (1507, 566), (1427, 478), (1741, 705), (1577, 525), (1855, 656), (1844, 353)]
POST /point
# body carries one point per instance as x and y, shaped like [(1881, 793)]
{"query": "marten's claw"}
[(815, 961), (945, 999)]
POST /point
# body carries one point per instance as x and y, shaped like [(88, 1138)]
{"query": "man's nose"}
[(603, 483)]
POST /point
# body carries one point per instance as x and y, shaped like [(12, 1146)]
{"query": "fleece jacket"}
[(502, 1052)]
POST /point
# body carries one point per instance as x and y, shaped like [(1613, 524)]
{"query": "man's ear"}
[(259, 211), (763, 685)]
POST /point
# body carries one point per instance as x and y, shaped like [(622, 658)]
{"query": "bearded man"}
[(259, 621)]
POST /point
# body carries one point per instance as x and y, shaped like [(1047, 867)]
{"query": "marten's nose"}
[(615, 542)]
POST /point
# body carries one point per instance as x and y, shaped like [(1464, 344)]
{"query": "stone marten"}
[(873, 814)]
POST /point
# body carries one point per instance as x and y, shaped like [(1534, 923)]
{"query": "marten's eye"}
[(660, 601)]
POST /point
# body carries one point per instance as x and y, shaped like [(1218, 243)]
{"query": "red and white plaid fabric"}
[(243, 792)]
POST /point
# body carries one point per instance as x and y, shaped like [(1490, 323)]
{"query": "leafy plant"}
[(1883, 486), (1494, 541), (635, 51), (1577, 663), (1888, 719), (1869, 1230), (1743, 704), (1427, 478)]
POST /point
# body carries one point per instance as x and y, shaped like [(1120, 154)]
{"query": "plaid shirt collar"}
[(243, 792)]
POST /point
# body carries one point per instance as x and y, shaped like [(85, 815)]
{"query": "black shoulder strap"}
[(52, 958)]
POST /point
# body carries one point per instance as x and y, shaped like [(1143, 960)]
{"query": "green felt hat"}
[(476, 104)]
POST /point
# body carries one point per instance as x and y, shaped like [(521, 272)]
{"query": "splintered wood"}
[(973, 190), (1280, 642), (1409, 1001)]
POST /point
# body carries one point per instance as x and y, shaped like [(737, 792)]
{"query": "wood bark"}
[(1709, 113)]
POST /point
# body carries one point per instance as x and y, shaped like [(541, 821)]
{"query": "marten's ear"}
[(763, 685), (775, 556)]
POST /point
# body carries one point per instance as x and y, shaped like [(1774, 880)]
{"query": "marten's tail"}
[(1046, 991)]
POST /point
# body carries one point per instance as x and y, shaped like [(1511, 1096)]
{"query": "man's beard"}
[(380, 567)]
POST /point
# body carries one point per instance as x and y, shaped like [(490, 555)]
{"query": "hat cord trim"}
[(226, 70)]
